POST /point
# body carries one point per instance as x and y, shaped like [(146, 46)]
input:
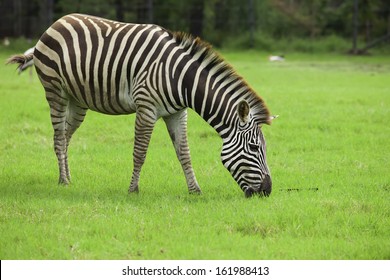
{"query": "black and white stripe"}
[(85, 62)]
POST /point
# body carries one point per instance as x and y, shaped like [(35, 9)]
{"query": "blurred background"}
[(354, 26)]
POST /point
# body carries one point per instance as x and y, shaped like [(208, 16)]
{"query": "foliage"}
[(217, 21), (332, 134), (326, 44)]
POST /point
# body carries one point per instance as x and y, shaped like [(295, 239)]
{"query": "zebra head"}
[(244, 154)]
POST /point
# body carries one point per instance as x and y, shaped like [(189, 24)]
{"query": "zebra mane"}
[(212, 61)]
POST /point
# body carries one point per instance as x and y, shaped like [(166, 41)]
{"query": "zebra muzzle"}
[(264, 189), (266, 186)]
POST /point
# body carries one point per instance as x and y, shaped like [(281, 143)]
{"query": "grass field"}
[(333, 134)]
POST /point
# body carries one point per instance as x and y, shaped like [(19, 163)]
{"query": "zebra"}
[(86, 62)]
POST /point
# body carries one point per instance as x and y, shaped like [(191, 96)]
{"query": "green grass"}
[(332, 134)]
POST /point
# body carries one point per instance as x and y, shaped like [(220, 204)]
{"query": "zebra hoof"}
[(195, 192), (131, 191), (63, 182)]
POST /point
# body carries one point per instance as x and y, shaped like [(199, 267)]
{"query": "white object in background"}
[(276, 58)]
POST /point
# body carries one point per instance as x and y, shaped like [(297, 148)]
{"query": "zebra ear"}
[(243, 111)]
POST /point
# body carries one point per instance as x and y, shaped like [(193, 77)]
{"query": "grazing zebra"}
[(85, 62)]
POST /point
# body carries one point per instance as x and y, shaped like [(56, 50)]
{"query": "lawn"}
[(331, 141)]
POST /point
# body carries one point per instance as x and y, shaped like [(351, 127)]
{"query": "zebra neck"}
[(215, 101), (210, 86)]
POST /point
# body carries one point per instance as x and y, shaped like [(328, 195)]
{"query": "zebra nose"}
[(264, 189), (266, 186)]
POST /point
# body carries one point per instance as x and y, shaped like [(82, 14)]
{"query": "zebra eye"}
[(253, 147)]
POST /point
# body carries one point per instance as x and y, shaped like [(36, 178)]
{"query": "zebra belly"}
[(115, 102)]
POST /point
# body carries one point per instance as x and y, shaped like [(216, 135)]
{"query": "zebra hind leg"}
[(144, 124), (177, 128), (58, 111), (75, 116)]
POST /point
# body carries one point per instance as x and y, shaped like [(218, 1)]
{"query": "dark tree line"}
[(214, 20)]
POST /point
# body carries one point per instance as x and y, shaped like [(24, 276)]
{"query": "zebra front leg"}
[(177, 128), (144, 124)]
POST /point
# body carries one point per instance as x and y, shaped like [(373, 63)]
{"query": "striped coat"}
[(85, 62)]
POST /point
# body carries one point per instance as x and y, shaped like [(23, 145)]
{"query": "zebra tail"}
[(24, 61)]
